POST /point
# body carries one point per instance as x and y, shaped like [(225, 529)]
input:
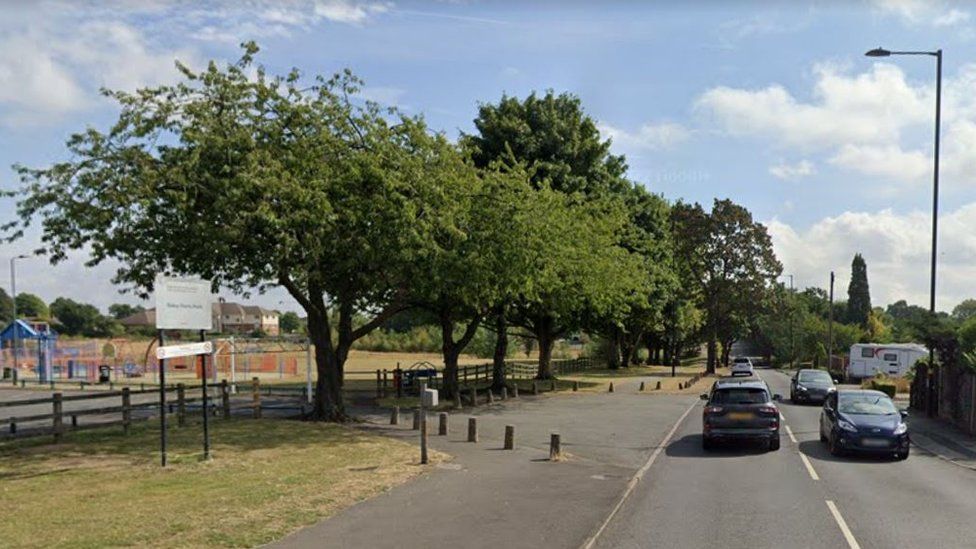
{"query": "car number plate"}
[(875, 442), (741, 415)]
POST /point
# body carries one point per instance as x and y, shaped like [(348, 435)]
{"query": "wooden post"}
[(385, 382), (491, 396), (658, 386), (535, 387), (472, 429), (225, 398), (474, 396), (379, 383), (180, 404), (398, 380), (457, 398), (552, 385), (13, 426), (422, 416), (504, 392), (509, 437), (126, 410), (575, 386), (256, 397), (641, 387), (555, 448), (58, 420), (515, 390), (74, 421), (416, 419), (611, 386), (442, 424)]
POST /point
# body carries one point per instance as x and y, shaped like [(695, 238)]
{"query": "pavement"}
[(638, 477)]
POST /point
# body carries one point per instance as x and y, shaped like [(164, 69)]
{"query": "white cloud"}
[(649, 137), (897, 249), (347, 11), (790, 172), (918, 12), (889, 162)]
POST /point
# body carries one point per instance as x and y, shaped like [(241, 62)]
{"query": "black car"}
[(810, 385), (863, 422), (740, 409)]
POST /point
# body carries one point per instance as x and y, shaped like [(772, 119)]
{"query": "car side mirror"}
[(777, 398), (904, 413), (836, 380), (703, 396)]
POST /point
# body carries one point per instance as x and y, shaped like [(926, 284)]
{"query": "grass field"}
[(267, 478)]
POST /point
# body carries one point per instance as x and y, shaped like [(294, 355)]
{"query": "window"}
[(815, 376), (740, 396), (891, 357), (867, 404), (867, 353)]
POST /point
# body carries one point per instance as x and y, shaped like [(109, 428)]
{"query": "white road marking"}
[(790, 432), (782, 417), (637, 478), (843, 525), (810, 469)]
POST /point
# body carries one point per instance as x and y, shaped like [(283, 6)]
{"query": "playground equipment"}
[(38, 335)]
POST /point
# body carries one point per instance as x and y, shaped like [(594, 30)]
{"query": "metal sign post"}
[(206, 409), (162, 401)]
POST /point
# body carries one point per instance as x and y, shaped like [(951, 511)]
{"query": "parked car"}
[(864, 422), (809, 385), (742, 365), (740, 409)]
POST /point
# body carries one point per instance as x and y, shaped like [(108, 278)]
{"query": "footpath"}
[(486, 496)]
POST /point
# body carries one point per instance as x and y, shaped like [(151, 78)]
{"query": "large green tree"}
[(858, 293), (965, 310), (727, 261), (31, 306), (251, 180), (118, 311), (6, 307)]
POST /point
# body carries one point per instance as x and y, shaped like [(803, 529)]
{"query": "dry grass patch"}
[(267, 478)]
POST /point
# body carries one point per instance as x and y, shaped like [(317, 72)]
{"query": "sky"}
[(771, 104)]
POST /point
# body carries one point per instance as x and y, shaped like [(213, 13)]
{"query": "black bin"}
[(104, 373)]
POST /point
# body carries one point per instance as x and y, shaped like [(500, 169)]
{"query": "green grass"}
[(267, 478)]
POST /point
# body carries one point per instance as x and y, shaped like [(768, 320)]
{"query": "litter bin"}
[(104, 373), (7, 372)]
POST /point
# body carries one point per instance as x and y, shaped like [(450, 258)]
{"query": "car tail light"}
[(769, 410), (713, 409)]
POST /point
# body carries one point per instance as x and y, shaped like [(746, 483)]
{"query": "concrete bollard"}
[(611, 387), (472, 429), (395, 416), (535, 387), (515, 390), (457, 398), (658, 386), (442, 424), (491, 396), (504, 392), (555, 447), (416, 419), (641, 387), (575, 386), (509, 437)]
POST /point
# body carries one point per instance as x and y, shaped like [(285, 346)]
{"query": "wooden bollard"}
[(58, 419), (552, 385), (442, 424), (457, 398), (225, 398), (504, 392), (535, 387), (575, 386), (395, 416), (74, 421), (416, 419), (641, 387), (509, 437), (491, 396), (379, 383), (474, 396), (256, 397), (658, 386), (515, 390), (555, 449), (13, 426), (422, 416), (472, 429), (126, 410), (180, 404), (385, 381), (611, 387)]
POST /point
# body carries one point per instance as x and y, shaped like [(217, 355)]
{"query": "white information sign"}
[(183, 304), (188, 349)]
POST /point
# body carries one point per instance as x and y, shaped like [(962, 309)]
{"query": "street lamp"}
[(13, 296), (880, 52)]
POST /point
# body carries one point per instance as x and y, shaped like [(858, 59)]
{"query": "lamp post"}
[(13, 292), (880, 52)]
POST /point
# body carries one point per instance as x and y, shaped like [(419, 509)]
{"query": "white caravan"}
[(893, 359)]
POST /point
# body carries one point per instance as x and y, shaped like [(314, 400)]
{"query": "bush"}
[(887, 388)]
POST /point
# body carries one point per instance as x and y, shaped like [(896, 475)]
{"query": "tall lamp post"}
[(13, 296), (880, 52)]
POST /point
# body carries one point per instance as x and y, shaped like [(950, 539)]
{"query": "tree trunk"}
[(545, 335), (450, 351), (613, 349), (328, 404), (501, 350), (711, 351)]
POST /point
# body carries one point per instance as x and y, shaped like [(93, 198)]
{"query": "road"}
[(800, 496)]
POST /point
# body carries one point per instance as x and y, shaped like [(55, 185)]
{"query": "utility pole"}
[(792, 336), (830, 326), (13, 296)]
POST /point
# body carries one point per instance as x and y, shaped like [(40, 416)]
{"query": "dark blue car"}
[(863, 422)]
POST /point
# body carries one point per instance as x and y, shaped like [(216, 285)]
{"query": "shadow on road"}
[(690, 446)]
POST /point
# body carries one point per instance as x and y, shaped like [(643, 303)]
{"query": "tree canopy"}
[(858, 293)]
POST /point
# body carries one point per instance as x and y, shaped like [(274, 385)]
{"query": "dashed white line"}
[(848, 535), (809, 466), (790, 432)]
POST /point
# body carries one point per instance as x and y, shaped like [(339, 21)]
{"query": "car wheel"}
[(707, 444), (823, 437), (902, 456), (774, 443), (832, 446)]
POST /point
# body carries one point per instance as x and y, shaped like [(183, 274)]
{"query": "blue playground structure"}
[(36, 346)]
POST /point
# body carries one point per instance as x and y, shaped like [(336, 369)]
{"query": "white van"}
[(893, 359)]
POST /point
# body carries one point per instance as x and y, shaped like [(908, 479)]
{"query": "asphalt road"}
[(799, 496)]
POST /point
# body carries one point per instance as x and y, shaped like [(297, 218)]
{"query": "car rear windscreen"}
[(739, 395), (815, 376)]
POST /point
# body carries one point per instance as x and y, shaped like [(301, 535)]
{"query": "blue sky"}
[(769, 103)]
